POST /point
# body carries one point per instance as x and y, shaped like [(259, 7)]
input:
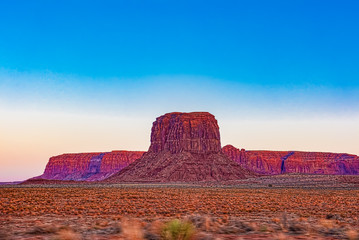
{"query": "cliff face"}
[(323, 163), (277, 162), (88, 166), (185, 147), (196, 132), (116, 160)]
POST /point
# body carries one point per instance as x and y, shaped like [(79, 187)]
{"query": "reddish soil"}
[(117, 211)]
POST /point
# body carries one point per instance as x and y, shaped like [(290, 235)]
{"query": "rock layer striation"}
[(88, 166), (185, 147), (195, 132), (280, 162)]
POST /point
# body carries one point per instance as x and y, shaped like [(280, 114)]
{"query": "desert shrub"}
[(177, 230)]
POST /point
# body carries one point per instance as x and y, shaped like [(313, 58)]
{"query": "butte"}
[(185, 147)]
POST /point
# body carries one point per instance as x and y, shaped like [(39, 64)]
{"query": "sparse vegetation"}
[(177, 230), (149, 212)]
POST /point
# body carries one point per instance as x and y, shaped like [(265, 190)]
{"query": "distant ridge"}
[(10, 183), (280, 162), (186, 147), (88, 166)]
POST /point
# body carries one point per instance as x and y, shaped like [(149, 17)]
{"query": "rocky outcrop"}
[(195, 132), (323, 163), (181, 167), (277, 162), (185, 147), (88, 166), (116, 160)]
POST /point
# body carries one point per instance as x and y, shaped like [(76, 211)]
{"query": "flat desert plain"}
[(144, 211)]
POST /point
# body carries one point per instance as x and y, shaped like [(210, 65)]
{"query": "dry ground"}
[(139, 212)]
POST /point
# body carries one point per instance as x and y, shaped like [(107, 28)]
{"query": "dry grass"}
[(177, 230), (178, 201), (143, 212)]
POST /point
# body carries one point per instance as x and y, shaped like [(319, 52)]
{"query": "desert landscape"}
[(186, 187), (143, 211), (179, 120)]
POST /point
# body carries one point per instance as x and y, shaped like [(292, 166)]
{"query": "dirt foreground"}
[(136, 211)]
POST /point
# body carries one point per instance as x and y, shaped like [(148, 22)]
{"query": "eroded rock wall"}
[(185, 147), (88, 166), (277, 162), (196, 132)]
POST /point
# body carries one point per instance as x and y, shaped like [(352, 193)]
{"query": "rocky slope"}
[(277, 162), (185, 147), (88, 166)]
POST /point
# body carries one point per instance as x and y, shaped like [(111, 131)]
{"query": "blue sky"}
[(300, 50), (260, 42), (277, 74)]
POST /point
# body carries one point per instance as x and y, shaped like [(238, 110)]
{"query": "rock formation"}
[(279, 162), (195, 132), (185, 147), (88, 166)]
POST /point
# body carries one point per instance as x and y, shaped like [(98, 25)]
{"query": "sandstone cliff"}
[(196, 132), (185, 147), (278, 162), (88, 166)]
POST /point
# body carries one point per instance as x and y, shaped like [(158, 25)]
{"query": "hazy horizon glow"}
[(92, 76)]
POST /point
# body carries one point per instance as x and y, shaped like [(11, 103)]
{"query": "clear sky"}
[(78, 76)]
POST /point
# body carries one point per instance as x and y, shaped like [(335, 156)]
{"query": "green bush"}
[(177, 230)]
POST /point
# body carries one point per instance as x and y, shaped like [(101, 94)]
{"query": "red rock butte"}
[(185, 147), (195, 132)]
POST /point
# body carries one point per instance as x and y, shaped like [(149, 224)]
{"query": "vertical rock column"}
[(195, 132)]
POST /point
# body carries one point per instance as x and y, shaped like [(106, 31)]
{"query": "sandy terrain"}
[(140, 211)]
